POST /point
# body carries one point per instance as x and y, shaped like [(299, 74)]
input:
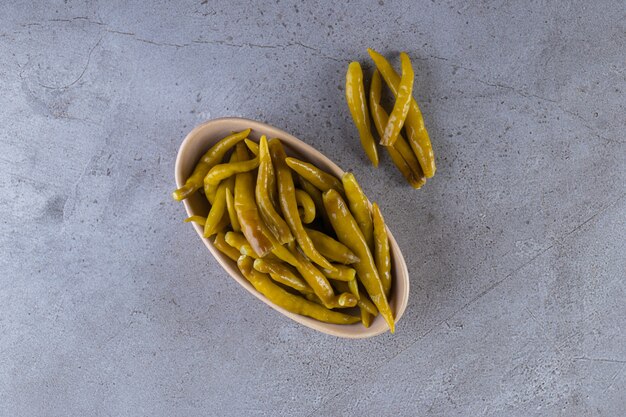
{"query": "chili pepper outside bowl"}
[(201, 138)]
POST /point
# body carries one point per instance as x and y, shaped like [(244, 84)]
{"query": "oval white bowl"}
[(201, 138)]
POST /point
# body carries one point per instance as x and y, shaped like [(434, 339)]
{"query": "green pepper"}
[(232, 214), (400, 153), (316, 195), (222, 171), (340, 273), (264, 182), (320, 284), (290, 302), (368, 309), (414, 123), (218, 209), (359, 206), (250, 221), (289, 205), (350, 234), (382, 256), (355, 96), (402, 104), (322, 180), (305, 202), (221, 244), (330, 248), (196, 219), (282, 273), (211, 158), (252, 146)]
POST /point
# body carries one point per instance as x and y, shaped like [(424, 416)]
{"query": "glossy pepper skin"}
[(341, 273), (252, 146), (363, 303), (265, 181), (225, 248), (222, 171), (218, 209), (403, 103), (359, 206), (289, 205), (290, 302), (382, 256), (196, 219), (283, 274), (211, 158), (357, 103), (232, 214), (401, 153), (414, 123), (367, 308), (316, 195), (239, 242), (350, 234), (319, 283), (305, 202), (330, 248), (322, 180), (247, 211)]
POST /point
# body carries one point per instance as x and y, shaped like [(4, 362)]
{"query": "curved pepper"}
[(221, 244), (273, 220), (322, 180), (350, 234), (196, 219), (320, 284), (341, 273), (357, 103), (289, 205), (222, 171), (290, 302), (400, 153), (232, 214), (283, 274), (330, 248), (304, 201), (414, 123), (402, 105), (211, 158), (218, 209), (316, 195), (252, 146), (382, 257), (247, 211), (359, 206)]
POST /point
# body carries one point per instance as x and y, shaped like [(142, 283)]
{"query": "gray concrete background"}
[(111, 306)]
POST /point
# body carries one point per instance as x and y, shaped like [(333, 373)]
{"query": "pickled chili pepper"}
[(414, 123), (357, 103), (289, 205), (382, 256), (322, 180), (290, 302), (273, 220), (247, 210), (401, 153), (350, 234), (402, 105), (211, 158), (359, 206)]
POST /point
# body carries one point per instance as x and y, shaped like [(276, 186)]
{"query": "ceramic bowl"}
[(201, 138)]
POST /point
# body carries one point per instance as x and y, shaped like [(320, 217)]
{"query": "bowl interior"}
[(200, 139)]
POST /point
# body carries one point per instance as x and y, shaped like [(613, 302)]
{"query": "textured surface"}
[(110, 305)]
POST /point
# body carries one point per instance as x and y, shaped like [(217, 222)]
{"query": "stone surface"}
[(110, 305)]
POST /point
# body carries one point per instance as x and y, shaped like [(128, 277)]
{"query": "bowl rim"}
[(398, 304)]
